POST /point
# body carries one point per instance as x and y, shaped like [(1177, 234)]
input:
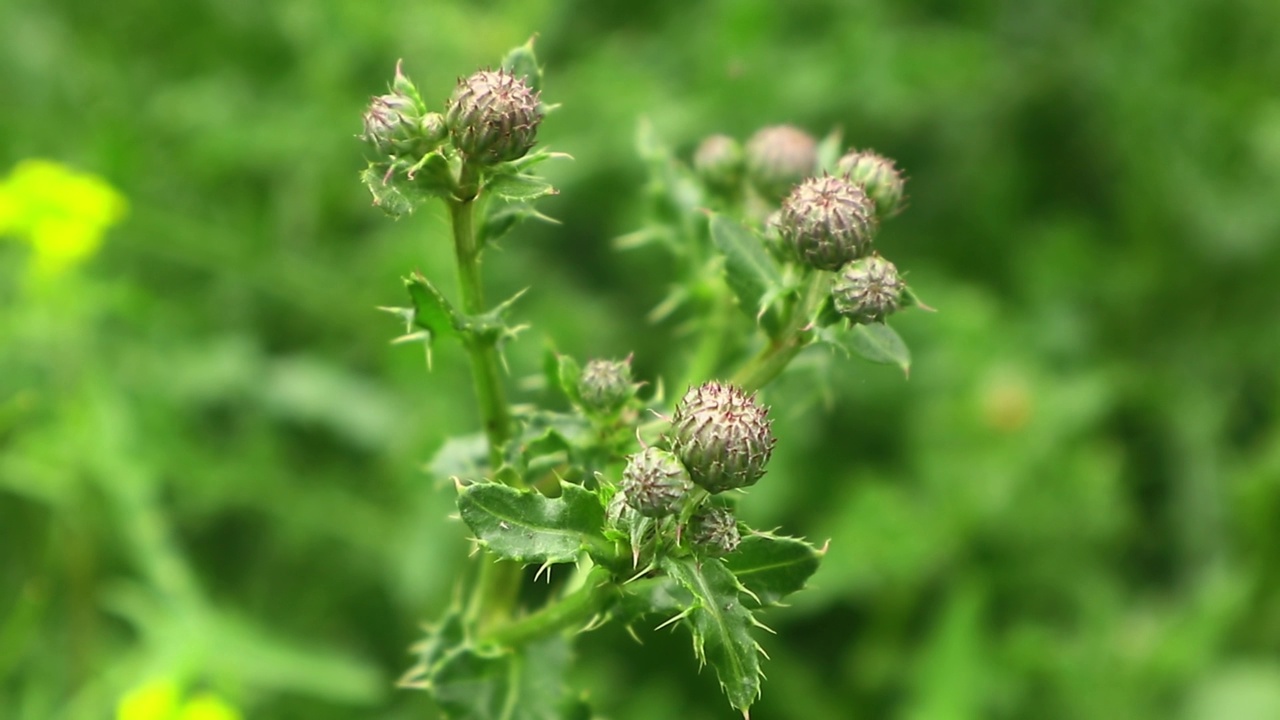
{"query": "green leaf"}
[(462, 456), (431, 310), (519, 187), (388, 194), (432, 176), (474, 683), (829, 151), (528, 527), (500, 222), (877, 343), (881, 344), (772, 567), (568, 375), (522, 62), (653, 596), (721, 626), (751, 272)]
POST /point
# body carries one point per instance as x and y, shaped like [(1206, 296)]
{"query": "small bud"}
[(434, 131), (713, 531), (605, 384), (778, 158), (868, 290), (392, 124), (718, 161), (722, 436), (493, 116), (654, 482), (878, 177), (828, 221)]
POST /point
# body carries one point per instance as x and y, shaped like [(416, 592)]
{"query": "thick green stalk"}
[(485, 368), (575, 610), (774, 358)]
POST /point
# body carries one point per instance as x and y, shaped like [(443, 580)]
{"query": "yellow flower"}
[(155, 700), (62, 213), (207, 706)]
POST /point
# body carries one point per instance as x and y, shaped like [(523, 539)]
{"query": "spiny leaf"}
[(751, 272), (499, 222), (523, 63), (528, 527), (829, 151), (772, 567), (431, 310), (721, 626), (520, 187)]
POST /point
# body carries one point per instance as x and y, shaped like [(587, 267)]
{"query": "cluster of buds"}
[(720, 440), (492, 117)]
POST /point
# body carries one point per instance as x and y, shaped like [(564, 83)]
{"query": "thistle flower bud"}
[(878, 177), (493, 116), (828, 221), (392, 124), (718, 161), (654, 482), (868, 290), (778, 157), (722, 435), (605, 384), (713, 531)]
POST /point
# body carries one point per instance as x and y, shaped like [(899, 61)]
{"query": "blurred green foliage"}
[(211, 460)]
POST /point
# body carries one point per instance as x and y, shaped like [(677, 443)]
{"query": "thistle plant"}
[(773, 245)]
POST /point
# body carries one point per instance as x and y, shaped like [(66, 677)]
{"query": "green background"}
[(211, 459)]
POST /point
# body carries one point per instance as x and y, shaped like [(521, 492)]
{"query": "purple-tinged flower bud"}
[(778, 157), (718, 161), (392, 124), (828, 221), (713, 531), (434, 130), (868, 290), (722, 435), (606, 384), (493, 117), (654, 482), (878, 177)]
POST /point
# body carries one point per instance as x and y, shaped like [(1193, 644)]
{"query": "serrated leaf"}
[(519, 187), (879, 343), (773, 567), (529, 527), (721, 626), (431, 310), (432, 176), (751, 272), (661, 596), (388, 195)]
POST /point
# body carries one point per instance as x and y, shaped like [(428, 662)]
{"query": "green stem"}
[(774, 358), (485, 367), (574, 610)]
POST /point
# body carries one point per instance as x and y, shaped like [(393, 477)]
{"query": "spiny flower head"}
[(722, 435), (877, 176), (654, 482), (868, 290), (493, 117), (828, 221)]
